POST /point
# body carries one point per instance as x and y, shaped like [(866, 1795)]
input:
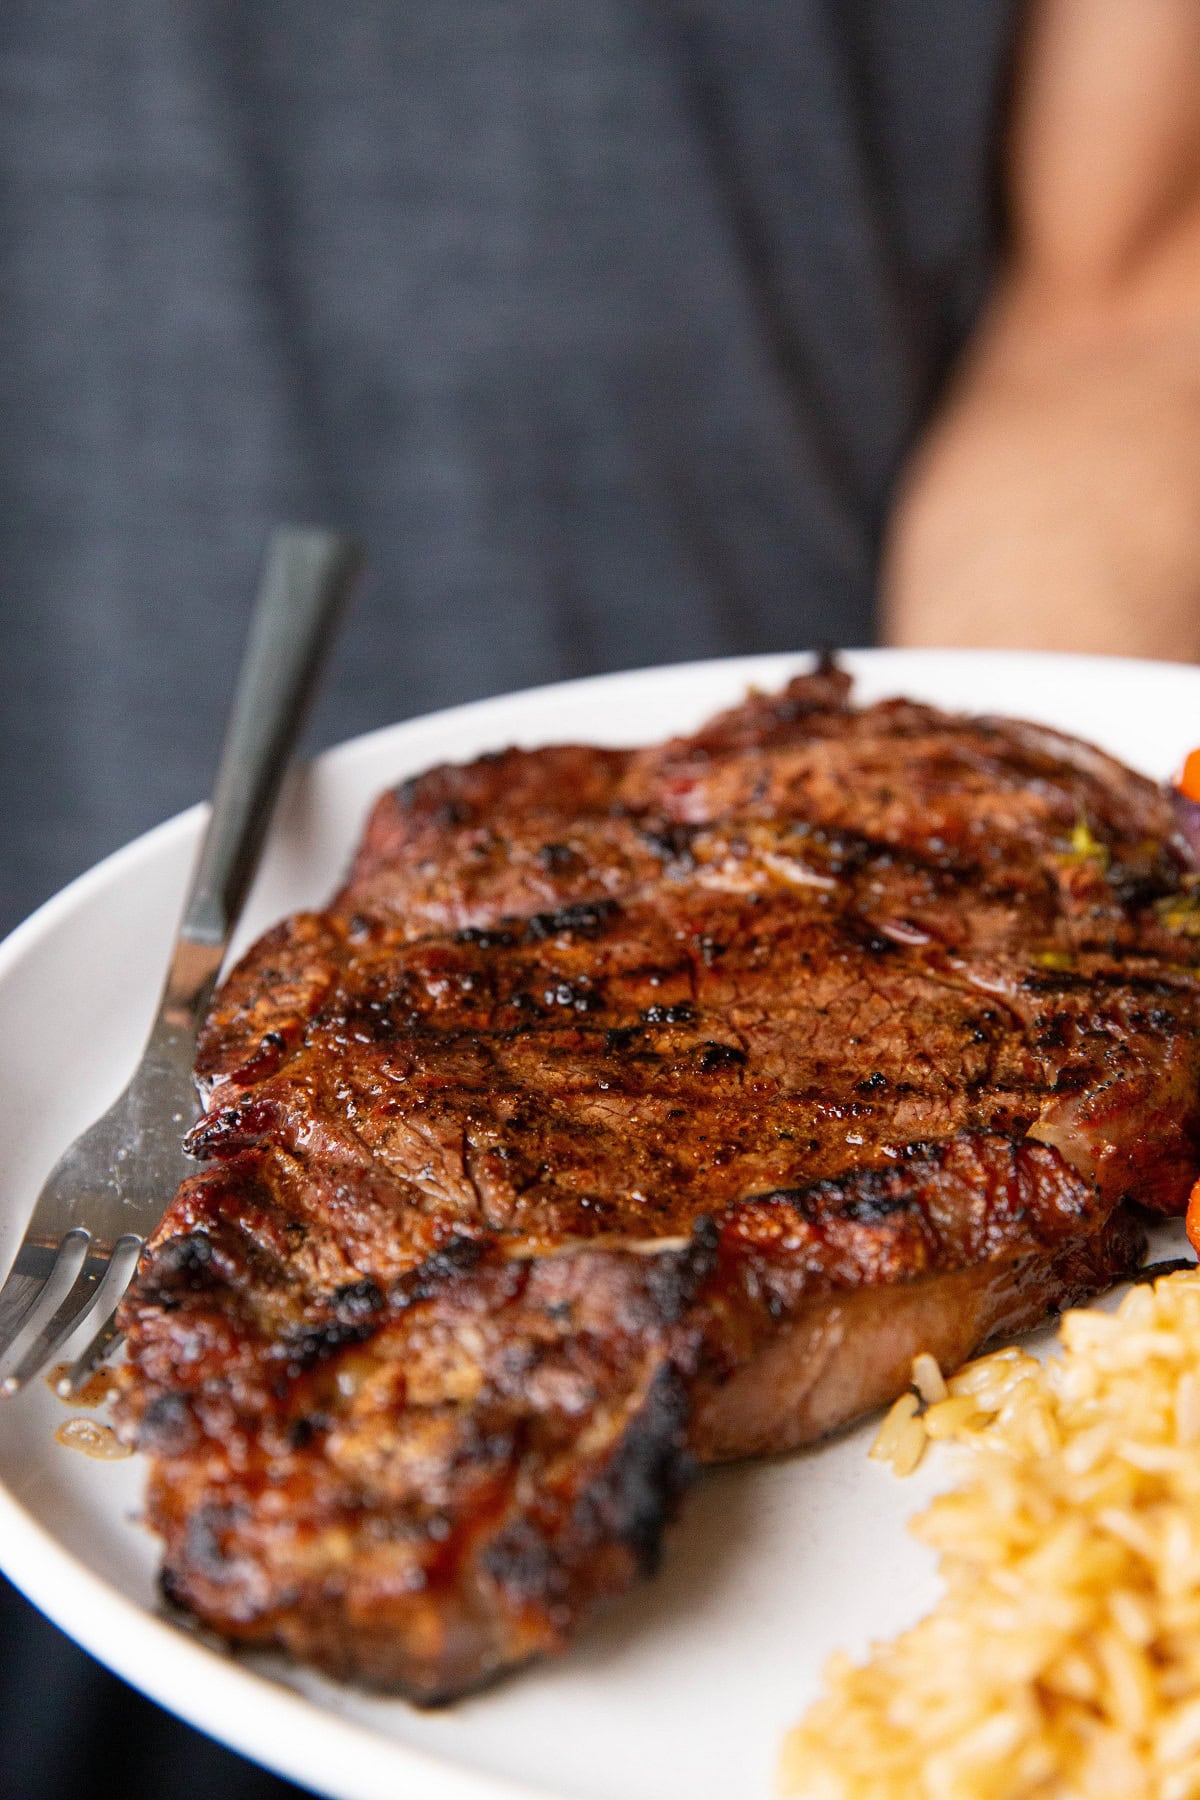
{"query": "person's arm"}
[(1055, 500)]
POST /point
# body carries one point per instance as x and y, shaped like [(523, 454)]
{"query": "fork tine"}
[(70, 1312), (93, 1353), (18, 1297), (32, 1272), (120, 1273)]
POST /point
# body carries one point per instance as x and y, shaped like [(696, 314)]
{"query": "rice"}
[(1063, 1659), (928, 1379), (902, 1437)]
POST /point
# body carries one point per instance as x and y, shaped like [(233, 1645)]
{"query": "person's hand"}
[(1055, 500)]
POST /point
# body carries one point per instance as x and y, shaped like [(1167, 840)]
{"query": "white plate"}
[(685, 1688)]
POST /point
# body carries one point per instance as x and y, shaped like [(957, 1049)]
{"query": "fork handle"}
[(306, 577)]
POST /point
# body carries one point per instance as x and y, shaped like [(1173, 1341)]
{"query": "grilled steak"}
[(628, 1110)]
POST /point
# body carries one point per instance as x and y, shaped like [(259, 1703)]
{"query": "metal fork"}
[(108, 1191)]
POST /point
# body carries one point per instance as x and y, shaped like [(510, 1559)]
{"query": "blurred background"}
[(622, 333)]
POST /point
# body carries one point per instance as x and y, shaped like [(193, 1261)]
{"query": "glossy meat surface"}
[(627, 1109)]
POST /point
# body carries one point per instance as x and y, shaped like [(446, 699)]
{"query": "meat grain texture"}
[(627, 1111)]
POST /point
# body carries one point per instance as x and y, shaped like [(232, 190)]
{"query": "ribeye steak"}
[(628, 1110)]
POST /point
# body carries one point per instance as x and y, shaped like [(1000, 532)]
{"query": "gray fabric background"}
[(604, 325)]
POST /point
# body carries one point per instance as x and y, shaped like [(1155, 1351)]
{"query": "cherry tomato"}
[(1193, 1218), (1189, 780)]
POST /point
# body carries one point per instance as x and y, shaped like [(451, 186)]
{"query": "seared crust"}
[(428, 1486), (824, 1296), (629, 1108), (421, 1486)]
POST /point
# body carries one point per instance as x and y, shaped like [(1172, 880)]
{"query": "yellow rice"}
[(1063, 1660)]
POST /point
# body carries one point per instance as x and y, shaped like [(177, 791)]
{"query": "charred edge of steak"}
[(977, 1197), (764, 719), (443, 1481), (788, 1365), (436, 1492)]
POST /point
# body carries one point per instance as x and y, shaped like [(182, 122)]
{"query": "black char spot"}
[(204, 1549), (357, 1299), (588, 918), (671, 842), (456, 1258), (636, 1495), (304, 1429), (183, 1261), (682, 1013), (167, 1427), (313, 1342), (873, 1084), (522, 1562), (866, 1198), (672, 1279), (485, 939), (576, 994)]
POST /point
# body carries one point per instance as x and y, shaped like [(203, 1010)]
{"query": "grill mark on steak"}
[(630, 1109)]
